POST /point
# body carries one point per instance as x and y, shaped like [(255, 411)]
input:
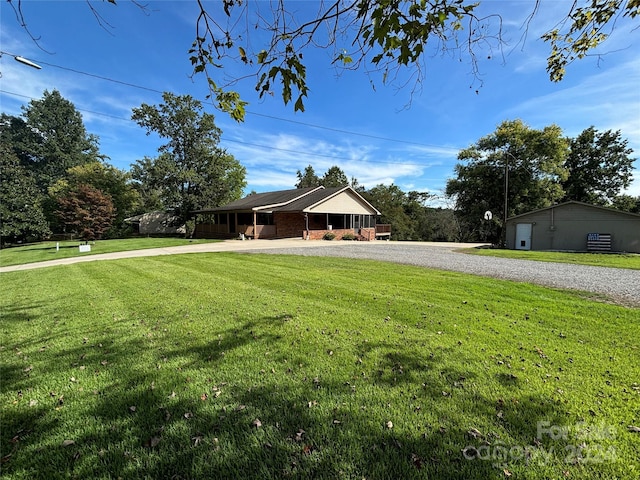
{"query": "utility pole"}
[(506, 196)]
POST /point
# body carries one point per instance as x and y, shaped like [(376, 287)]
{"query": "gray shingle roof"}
[(296, 200), (309, 200), (258, 200)]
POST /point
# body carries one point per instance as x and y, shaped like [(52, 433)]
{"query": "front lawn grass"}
[(43, 251), (612, 260), (264, 366)]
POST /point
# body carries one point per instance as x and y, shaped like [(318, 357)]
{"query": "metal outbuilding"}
[(575, 226)]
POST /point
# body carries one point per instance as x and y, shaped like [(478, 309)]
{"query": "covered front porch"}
[(264, 225)]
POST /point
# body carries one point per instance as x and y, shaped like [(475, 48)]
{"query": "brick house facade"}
[(307, 213)]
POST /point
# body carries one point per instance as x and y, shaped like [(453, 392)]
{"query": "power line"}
[(297, 122), (267, 147), (323, 155)]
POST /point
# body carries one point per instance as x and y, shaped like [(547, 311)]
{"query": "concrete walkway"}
[(225, 246)]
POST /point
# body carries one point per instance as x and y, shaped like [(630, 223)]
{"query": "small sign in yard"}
[(85, 248)]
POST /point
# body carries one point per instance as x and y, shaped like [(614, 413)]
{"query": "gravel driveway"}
[(620, 284)]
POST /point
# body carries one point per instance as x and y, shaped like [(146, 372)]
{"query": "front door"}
[(523, 236)]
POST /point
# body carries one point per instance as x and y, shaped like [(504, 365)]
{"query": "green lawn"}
[(263, 366), (40, 252), (621, 260)]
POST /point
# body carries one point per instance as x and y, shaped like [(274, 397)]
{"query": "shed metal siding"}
[(566, 226)]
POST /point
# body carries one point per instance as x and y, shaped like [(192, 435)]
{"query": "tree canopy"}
[(191, 172), (56, 139), (86, 211), (511, 171), (21, 213), (333, 177), (599, 167), (381, 37), (517, 169), (48, 142)]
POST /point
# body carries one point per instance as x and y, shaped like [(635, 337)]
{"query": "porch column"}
[(255, 221)]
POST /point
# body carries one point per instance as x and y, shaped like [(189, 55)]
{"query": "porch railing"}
[(383, 230)]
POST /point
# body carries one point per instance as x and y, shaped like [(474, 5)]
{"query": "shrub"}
[(329, 236), (348, 236)]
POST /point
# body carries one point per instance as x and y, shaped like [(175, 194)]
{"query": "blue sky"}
[(378, 135)]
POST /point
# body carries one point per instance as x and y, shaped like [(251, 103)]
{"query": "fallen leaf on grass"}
[(633, 428), (389, 424), (416, 460), (197, 440), (68, 443), (152, 442), (33, 403), (256, 423), (188, 415), (132, 408), (474, 432), (506, 472)]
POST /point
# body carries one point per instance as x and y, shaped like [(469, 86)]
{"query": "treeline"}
[(54, 180), (517, 169)]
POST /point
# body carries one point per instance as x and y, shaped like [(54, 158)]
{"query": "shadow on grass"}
[(125, 420)]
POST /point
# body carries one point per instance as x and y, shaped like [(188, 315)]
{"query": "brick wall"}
[(289, 225), (366, 233)]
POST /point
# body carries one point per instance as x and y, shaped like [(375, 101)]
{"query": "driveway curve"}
[(621, 285)]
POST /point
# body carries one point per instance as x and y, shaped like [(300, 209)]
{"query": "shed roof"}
[(573, 202)]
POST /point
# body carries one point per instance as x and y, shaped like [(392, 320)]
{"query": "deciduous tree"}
[(516, 168), (57, 139), (599, 167), (86, 212), (21, 215), (192, 172), (109, 180)]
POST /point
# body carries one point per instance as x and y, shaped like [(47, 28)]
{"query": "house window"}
[(264, 219), (245, 218)]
